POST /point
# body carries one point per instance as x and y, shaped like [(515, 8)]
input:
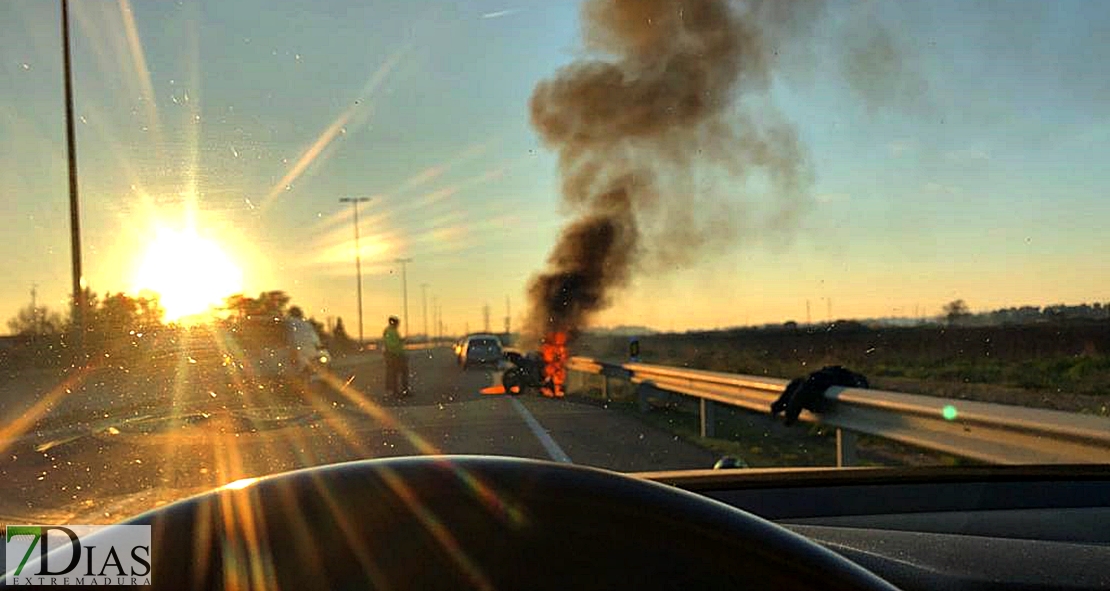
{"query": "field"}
[(1056, 366), (1064, 366)]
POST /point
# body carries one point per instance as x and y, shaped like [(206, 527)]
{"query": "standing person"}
[(396, 363), (303, 342)]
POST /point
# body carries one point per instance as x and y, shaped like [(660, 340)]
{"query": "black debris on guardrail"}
[(809, 392)]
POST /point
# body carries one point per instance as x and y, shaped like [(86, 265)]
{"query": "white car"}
[(302, 355)]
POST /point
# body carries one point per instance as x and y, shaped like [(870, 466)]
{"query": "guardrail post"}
[(642, 397), (605, 387), (845, 448), (708, 417)]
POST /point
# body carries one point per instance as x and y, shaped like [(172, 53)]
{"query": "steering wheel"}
[(478, 522)]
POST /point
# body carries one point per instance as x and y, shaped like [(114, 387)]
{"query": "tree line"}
[(122, 324)]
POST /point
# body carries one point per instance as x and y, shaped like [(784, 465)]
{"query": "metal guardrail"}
[(993, 433)]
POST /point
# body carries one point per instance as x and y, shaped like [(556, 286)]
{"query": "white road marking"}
[(545, 438)]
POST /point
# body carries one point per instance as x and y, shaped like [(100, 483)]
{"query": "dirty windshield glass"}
[(248, 236)]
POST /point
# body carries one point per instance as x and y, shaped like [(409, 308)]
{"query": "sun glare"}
[(189, 273)]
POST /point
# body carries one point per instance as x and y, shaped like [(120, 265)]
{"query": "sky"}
[(215, 139)]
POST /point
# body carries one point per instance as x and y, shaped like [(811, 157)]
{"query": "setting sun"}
[(190, 273)]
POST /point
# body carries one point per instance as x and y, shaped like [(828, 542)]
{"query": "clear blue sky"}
[(984, 180)]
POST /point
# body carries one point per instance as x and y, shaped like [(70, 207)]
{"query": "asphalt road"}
[(99, 445)]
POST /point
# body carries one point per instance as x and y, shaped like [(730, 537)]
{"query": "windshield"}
[(243, 237)]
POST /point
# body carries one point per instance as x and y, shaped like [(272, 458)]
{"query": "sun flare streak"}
[(336, 128)]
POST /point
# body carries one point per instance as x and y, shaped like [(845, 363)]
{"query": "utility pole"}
[(508, 317), (808, 320), (435, 318), (74, 208), (424, 296), (405, 289), (354, 201), (485, 316), (37, 322)]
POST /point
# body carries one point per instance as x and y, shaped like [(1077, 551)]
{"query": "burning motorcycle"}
[(544, 370)]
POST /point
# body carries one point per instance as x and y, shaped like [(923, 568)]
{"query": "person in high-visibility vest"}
[(396, 362)]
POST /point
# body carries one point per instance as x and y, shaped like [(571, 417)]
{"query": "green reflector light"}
[(949, 412)]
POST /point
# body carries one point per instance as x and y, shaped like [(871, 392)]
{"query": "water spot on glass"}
[(297, 57), (172, 82), (196, 117), (174, 99), (26, 66), (83, 120), (186, 97)]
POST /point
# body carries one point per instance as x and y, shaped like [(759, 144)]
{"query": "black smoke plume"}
[(635, 127)]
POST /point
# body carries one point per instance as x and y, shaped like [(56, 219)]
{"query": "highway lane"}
[(133, 436)]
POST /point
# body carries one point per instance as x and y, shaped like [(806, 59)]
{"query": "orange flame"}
[(554, 350)]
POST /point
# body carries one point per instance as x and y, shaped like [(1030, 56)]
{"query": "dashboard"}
[(938, 528), (449, 522)]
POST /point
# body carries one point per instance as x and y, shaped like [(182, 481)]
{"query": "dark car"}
[(480, 349)]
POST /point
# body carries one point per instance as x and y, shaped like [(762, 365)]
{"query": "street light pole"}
[(424, 296), (405, 289), (354, 201), (436, 319), (74, 210)]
